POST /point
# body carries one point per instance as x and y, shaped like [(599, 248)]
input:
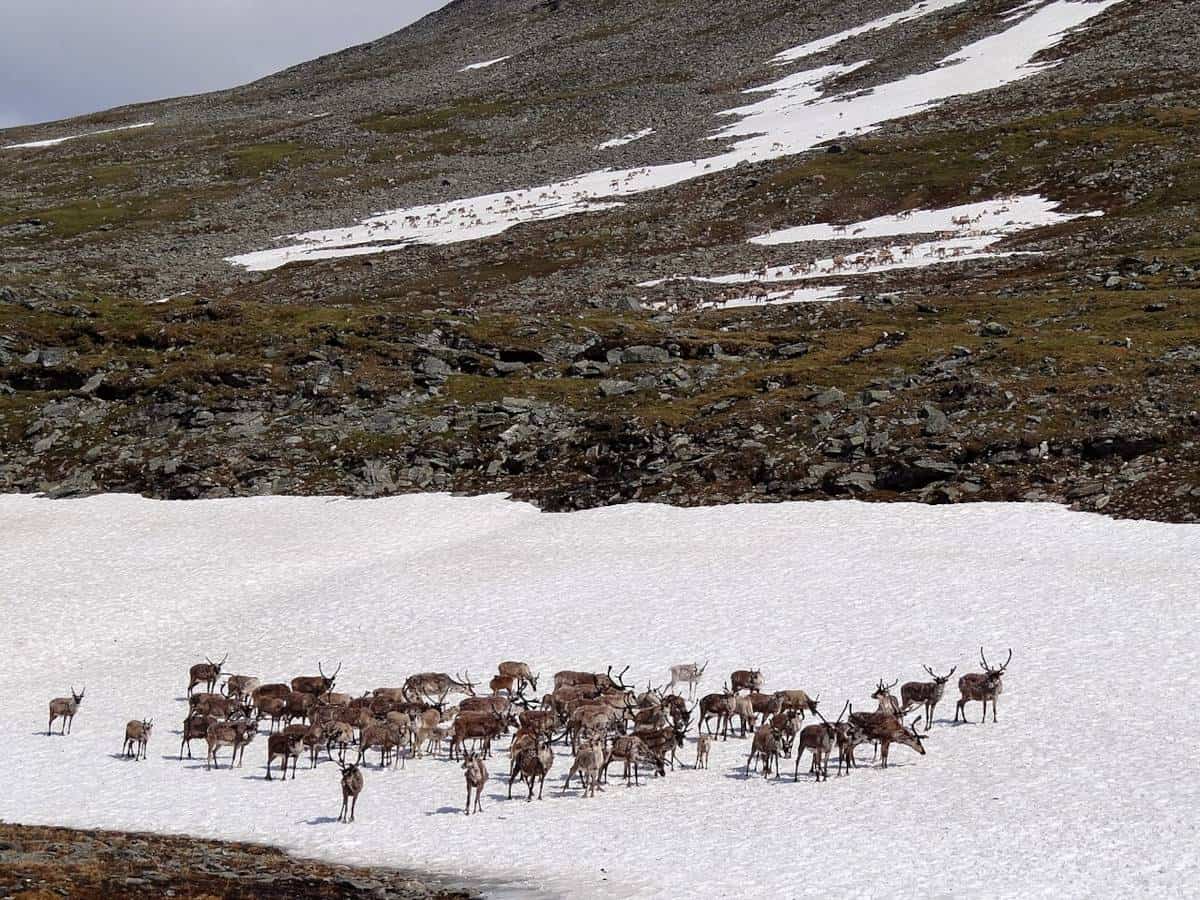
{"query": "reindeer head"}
[(533, 680), (78, 698), (940, 680), (147, 725), (328, 680), (994, 673), (910, 737), (216, 666), (884, 690), (700, 670)]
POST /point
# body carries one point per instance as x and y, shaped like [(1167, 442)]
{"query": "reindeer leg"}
[(993, 709)]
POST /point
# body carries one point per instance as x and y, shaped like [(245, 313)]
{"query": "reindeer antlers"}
[(983, 659)]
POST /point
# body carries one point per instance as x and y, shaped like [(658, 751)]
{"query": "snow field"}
[(796, 114), (123, 594)]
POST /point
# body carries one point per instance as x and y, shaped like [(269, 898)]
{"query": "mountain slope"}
[(503, 361)]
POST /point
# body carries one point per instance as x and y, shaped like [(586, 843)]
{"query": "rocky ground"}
[(38, 863), (531, 362)]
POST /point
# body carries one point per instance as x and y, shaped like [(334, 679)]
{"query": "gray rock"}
[(431, 365), (613, 387), (936, 421), (831, 397), (643, 353), (994, 329)]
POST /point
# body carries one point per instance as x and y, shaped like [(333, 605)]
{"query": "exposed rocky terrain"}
[(531, 362), (38, 862)]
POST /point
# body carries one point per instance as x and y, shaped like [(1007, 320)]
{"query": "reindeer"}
[(235, 734), (352, 785), (476, 774), (240, 687), (818, 739), (205, 673), (631, 750), (216, 705), (137, 732), (929, 693), (194, 727), (274, 708), (798, 701), (689, 674), (266, 691), (65, 708), (765, 705), (765, 746), (520, 673), (315, 684), (703, 745), (286, 745), (785, 723), (982, 686), (437, 684), (588, 760), (603, 682), (743, 708), (888, 729), (749, 680), (477, 726), (677, 709), (662, 742), (718, 705), (532, 764), (500, 683), (382, 737), (338, 734), (887, 700)]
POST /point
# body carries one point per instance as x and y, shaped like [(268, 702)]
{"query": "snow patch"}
[(486, 64), (919, 11), (54, 142), (795, 116), (625, 139), (828, 597)]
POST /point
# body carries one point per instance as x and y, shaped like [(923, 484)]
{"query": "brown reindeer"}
[(703, 745), (287, 746), (240, 687), (482, 726), (137, 732), (385, 738), (818, 739), (632, 751), (888, 729), (235, 734), (719, 706), (476, 774), (194, 727), (532, 764), (887, 702), (798, 701), (352, 785), (520, 673), (315, 684), (500, 683), (982, 686), (65, 708), (927, 693), (205, 673), (604, 682), (764, 746), (750, 680)]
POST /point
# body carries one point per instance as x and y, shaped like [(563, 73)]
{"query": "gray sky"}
[(62, 58)]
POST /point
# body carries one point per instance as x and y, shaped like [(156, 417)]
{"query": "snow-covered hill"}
[(1083, 788)]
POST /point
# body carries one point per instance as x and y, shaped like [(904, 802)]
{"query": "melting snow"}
[(828, 43), (625, 139), (796, 115), (484, 65), (967, 232), (1006, 215), (53, 142), (828, 597)]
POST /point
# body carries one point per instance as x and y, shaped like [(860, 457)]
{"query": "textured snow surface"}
[(884, 22), (486, 64), (795, 115), (1059, 798), (969, 232), (54, 142), (1005, 215), (625, 139)]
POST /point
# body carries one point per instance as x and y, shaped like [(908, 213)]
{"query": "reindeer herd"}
[(600, 718)]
